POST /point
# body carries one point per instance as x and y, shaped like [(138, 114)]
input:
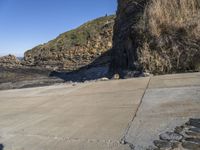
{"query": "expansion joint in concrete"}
[(123, 139)]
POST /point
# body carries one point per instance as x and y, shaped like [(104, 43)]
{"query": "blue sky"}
[(27, 23)]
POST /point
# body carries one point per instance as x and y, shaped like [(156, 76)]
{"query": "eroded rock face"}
[(9, 61), (124, 41), (76, 48), (146, 40)]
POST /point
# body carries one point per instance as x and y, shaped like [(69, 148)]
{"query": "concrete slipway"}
[(97, 115)]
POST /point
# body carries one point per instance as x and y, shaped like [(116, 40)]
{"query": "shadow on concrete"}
[(1, 146), (99, 68)]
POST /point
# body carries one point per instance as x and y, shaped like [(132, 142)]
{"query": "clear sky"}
[(27, 23)]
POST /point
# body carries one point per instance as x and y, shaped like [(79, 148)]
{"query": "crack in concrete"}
[(123, 139)]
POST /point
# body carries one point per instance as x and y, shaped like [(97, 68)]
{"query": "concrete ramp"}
[(97, 116), (89, 116), (169, 101)]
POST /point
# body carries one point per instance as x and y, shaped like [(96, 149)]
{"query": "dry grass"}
[(170, 32), (162, 14)]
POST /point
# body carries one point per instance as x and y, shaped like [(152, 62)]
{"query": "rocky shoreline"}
[(14, 74), (23, 77)]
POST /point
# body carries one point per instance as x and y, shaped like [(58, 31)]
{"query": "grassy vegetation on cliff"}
[(170, 36), (81, 35), (74, 48)]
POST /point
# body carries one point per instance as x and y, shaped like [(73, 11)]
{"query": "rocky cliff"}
[(9, 61), (75, 48), (156, 36)]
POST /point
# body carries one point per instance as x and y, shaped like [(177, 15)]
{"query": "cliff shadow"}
[(99, 68), (1, 147)]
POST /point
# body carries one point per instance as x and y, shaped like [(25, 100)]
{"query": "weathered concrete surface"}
[(169, 101), (96, 116), (90, 116), (175, 80)]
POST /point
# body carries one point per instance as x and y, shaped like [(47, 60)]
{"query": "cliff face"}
[(156, 36), (124, 41), (76, 48)]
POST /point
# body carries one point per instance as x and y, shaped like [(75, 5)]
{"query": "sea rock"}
[(9, 61)]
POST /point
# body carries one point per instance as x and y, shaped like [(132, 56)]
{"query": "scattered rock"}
[(197, 130), (175, 144), (152, 148), (194, 123), (190, 145), (116, 77), (194, 140), (171, 136), (193, 133), (179, 129), (163, 144)]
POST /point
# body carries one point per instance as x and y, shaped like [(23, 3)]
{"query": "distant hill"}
[(76, 48), (20, 58)]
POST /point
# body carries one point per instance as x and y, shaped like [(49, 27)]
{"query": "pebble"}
[(116, 77)]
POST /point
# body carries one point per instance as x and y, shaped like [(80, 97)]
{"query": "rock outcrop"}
[(156, 36), (76, 48), (9, 61)]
